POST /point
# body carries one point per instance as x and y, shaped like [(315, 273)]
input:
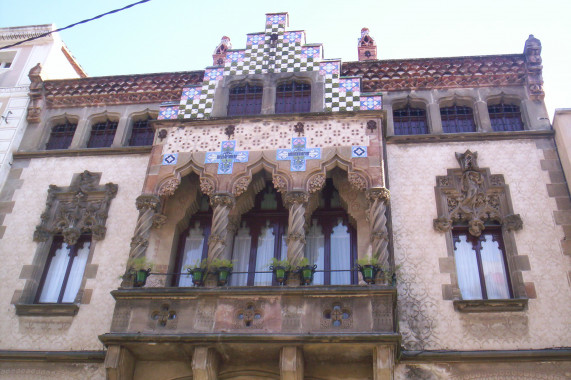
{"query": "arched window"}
[(102, 134), (245, 100), (410, 121), (457, 119), (61, 135), (193, 243), (261, 237), (293, 97), (331, 242), (505, 117), (142, 132)]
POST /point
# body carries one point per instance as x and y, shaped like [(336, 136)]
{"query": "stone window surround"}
[(83, 129), (95, 196), (515, 263), (269, 82), (433, 100)]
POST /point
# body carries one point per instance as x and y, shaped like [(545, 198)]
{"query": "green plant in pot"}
[(198, 271), (369, 267), (305, 271), (222, 268), (281, 269), (140, 268)]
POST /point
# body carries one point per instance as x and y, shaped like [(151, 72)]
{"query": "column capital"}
[(222, 199), (296, 197), (148, 202), (378, 193)]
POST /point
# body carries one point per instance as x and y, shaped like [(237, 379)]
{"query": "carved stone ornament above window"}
[(81, 208), (472, 196)]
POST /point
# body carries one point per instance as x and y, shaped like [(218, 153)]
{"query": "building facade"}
[(440, 175)]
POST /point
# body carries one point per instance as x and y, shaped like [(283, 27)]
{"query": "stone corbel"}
[(168, 187), (205, 363)]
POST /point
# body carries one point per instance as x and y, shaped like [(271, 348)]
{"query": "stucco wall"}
[(429, 322), (18, 249)]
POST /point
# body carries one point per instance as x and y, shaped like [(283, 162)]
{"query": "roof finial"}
[(367, 47)]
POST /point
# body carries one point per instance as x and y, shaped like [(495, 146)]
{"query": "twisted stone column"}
[(149, 207), (221, 206), (378, 199), (296, 202)]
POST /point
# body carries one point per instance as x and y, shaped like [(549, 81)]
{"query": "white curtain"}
[(55, 275), (283, 255), (76, 272), (494, 269), (241, 256), (315, 242), (192, 253), (264, 255), (467, 269), (340, 254)]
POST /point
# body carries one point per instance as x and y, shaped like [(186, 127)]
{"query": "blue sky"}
[(179, 35)]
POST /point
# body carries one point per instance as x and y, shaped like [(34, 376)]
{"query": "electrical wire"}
[(77, 23)]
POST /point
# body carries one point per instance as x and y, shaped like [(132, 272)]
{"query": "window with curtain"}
[(481, 265), (410, 121), (193, 243), (245, 100), (505, 117), (261, 237), (331, 242), (293, 97), (61, 135), (142, 133), (457, 119), (65, 265), (102, 134)]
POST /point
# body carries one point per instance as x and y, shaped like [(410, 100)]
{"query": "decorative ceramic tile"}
[(349, 85), (311, 52), (170, 159), (235, 56), (298, 154), (226, 157), (358, 151), (371, 103), (168, 112), (329, 68)]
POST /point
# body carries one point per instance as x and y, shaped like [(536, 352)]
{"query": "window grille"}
[(410, 121), (245, 100), (505, 117), (61, 136), (142, 133), (293, 97), (457, 119), (102, 134)]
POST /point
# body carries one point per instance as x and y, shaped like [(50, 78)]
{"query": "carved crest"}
[(81, 208), (474, 197)]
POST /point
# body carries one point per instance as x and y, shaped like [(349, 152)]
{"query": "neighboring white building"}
[(15, 63)]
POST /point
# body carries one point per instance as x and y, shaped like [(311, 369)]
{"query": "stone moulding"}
[(52, 356), (548, 354), (482, 306), (81, 208), (47, 310)]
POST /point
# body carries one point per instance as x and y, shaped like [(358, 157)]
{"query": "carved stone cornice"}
[(378, 193), (81, 208), (295, 197), (222, 199), (148, 202)]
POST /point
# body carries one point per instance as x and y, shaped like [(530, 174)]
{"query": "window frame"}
[(405, 121), (300, 98), (147, 132), (455, 119), (61, 137), (58, 241), (102, 138), (239, 101), (503, 119), (497, 235)]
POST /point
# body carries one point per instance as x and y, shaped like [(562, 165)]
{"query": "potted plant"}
[(369, 267), (390, 274), (140, 268), (281, 269), (198, 271), (305, 271), (222, 268)]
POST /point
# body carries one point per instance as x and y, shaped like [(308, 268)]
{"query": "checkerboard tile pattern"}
[(168, 112), (285, 52)]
